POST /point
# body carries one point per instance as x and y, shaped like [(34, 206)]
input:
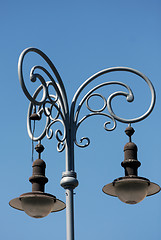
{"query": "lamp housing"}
[(131, 188), (37, 204)]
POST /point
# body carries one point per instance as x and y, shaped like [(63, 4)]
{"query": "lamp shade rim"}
[(153, 189), (109, 189), (57, 206)]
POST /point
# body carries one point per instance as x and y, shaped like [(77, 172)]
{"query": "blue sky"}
[(81, 38)]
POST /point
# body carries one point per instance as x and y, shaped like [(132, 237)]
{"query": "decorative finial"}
[(130, 163), (39, 149), (129, 132)]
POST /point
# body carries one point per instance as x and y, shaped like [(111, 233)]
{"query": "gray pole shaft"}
[(69, 182), (69, 214)]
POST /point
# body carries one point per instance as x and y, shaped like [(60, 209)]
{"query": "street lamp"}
[(130, 189)]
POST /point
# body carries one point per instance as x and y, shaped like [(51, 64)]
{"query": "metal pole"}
[(69, 190), (69, 214), (69, 182)]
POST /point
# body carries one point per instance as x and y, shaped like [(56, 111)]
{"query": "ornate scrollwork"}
[(58, 101), (81, 144), (58, 134), (48, 101), (107, 104)]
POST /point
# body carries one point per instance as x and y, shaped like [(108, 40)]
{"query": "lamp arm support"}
[(129, 96), (60, 86), (107, 104)]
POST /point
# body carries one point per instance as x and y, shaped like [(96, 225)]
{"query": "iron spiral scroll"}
[(69, 118)]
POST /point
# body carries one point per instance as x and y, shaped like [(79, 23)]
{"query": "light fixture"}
[(38, 204), (131, 189), (50, 101)]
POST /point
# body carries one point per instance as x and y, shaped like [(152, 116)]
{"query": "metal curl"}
[(105, 126), (59, 87), (49, 83), (61, 146), (33, 78), (81, 141), (57, 133), (48, 110), (92, 95), (58, 112), (109, 106), (52, 96), (130, 96), (112, 128)]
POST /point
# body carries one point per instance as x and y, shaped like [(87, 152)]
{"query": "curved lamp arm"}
[(74, 113), (129, 96), (58, 101), (59, 87)]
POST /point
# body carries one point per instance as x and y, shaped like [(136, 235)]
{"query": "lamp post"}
[(130, 189)]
